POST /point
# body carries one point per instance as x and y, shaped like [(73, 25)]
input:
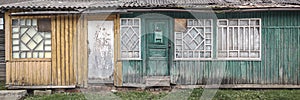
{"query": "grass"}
[(2, 85), (189, 94)]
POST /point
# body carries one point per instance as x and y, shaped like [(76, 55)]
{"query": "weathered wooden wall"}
[(68, 64), (2, 53), (279, 63)]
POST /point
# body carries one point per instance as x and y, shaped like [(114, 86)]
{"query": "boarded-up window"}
[(194, 40), (130, 38), (239, 39), (28, 41)]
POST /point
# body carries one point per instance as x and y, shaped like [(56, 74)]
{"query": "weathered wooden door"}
[(157, 47), (101, 51)]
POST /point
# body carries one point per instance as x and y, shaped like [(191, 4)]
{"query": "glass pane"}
[(15, 42), (23, 55), (244, 22), (1, 21), (29, 55), (35, 55), (22, 22), (23, 30), (47, 41), (25, 38), (16, 48), (15, 29), (40, 47), (48, 48), (15, 22), (41, 55), (123, 22), (15, 36), (37, 38), (28, 22), (222, 22), (47, 54), (34, 22), (208, 23), (1, 27), (31, 32), (47, 35), (130, 21), (23, 47), (233, 23), (136, 22), (31, 45), (16, 55)]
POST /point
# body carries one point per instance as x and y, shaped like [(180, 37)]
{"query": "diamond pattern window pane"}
[(28, 42), (192, 43), (130, 38)]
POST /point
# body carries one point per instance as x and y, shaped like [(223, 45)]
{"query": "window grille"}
[(195, 43), (239, 39), (130, 38)]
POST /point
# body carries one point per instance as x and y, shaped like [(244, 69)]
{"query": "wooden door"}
[(157, 47), (101, 51)]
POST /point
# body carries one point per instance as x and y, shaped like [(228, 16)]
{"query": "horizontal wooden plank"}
[(41, 87)]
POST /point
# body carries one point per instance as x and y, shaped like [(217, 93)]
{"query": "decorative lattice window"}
[(239, 39), (195, 42), (28, 41), (130, 38)]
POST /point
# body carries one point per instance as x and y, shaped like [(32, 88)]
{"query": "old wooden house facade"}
[(71, 43)]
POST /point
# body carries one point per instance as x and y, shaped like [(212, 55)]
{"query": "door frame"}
[(144, 19), (105, 17)]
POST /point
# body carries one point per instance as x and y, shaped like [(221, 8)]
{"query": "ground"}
[(192, 94)]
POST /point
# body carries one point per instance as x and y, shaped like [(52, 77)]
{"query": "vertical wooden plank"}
[(8, 71), (85, 55), (13, 75), (71, 70), (118, 78), (67, 50), (62, 42), (53, 53), (58, 65), (79, 50), (7, 35), (27, 72), (75, 61)]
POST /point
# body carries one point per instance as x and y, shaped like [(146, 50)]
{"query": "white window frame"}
[(238, 26), (140, 36), (204, 42), (1, 23)]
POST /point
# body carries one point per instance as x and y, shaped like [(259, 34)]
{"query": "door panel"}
[(101, 51), (157, 49)]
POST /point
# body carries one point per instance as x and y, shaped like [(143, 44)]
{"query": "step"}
[(158, 81), (12, 94)]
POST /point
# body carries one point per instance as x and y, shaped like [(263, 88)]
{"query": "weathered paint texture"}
[(279, 63)]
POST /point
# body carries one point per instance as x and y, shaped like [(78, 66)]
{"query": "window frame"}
[(10, 38), (204, 32), (238, 26), (140, 39)]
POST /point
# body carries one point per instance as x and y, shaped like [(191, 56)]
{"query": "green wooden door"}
[(157, 47)]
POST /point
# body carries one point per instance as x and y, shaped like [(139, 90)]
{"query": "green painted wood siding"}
[(279, 64)]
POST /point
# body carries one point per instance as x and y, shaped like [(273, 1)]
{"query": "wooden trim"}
[(67, 50), (42, 87), (85, 53), (18, 17), (53, 53), (58, 51), (7, 26), (118, 67), (31, 59), (62, 43), (71, 70), (75, 49), (241, 86)]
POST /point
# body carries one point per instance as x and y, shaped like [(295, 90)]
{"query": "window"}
[(130, 39), (194, 42), (1, 23), (239, 39), (29, 41)]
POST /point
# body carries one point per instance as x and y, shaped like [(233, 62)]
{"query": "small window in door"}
[(1, 23)]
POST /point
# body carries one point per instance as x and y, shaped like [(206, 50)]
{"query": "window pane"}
[(243, 39), (195, 40), (28, 41), (130, 38)]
